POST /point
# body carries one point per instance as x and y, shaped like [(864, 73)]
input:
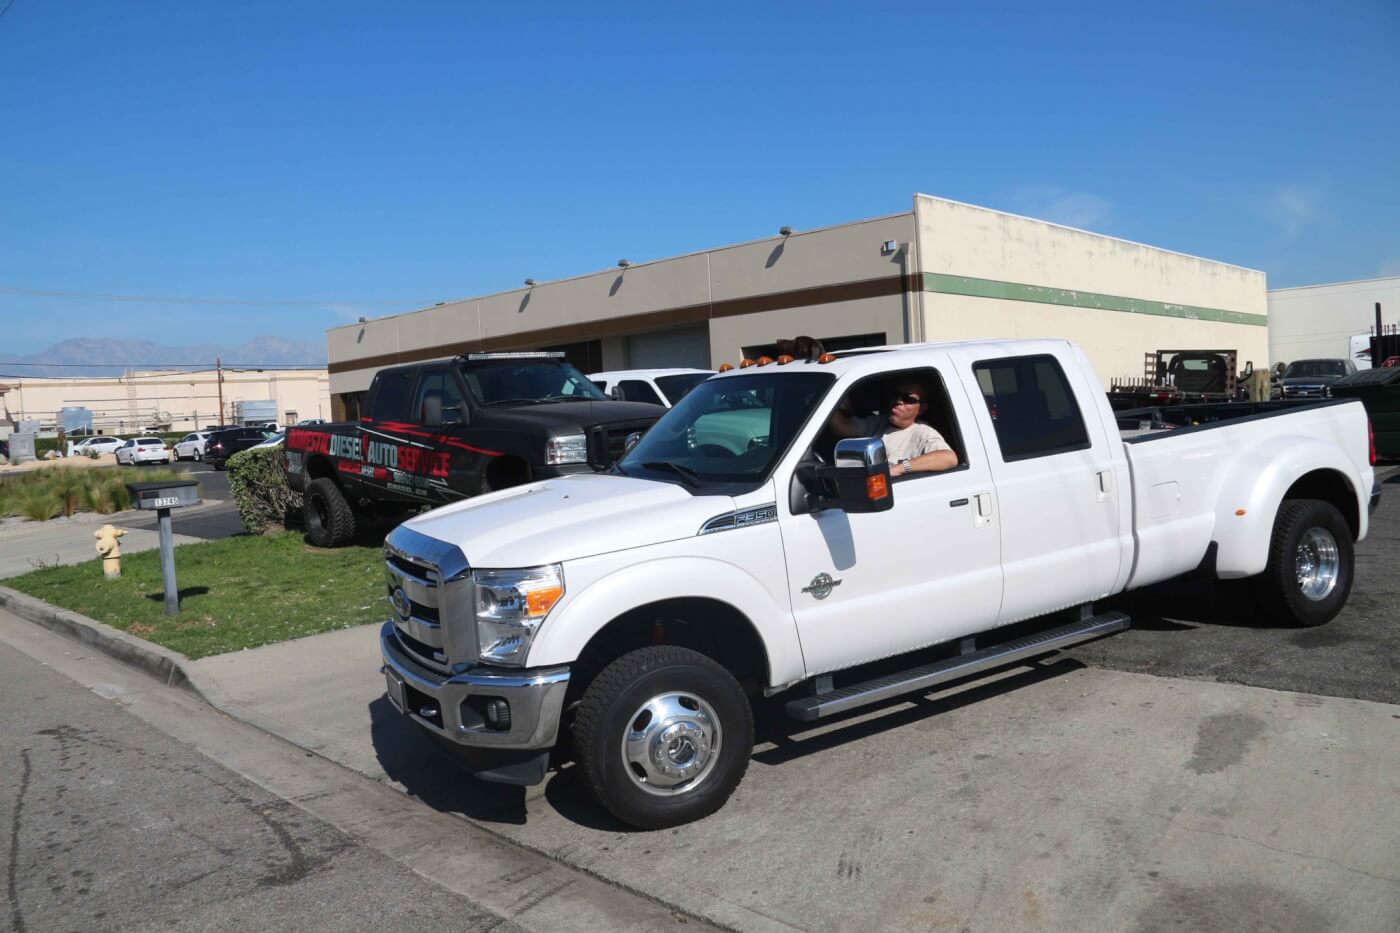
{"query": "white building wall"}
[(990, 274), (122, 405), (1319, 320)]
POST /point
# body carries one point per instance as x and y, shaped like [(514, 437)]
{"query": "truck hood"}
[(1310, 380), (568, 517), (566, 417)]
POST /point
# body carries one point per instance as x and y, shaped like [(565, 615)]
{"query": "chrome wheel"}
[(1317, 563), (671, 744)]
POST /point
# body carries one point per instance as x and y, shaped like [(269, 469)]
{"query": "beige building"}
[(941, 271), (171, 400)]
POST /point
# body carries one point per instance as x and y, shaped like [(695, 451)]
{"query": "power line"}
[(7, 9), (205, 364), (169, 299)]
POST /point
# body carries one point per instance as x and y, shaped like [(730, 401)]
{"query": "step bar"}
[(831, 703)]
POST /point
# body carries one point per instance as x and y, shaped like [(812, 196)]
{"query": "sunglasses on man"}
[(907, 398)]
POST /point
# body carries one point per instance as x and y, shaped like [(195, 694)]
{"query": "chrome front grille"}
[(428, 584)]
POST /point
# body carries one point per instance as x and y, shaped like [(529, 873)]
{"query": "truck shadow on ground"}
[(409, 757), (1189, 602)]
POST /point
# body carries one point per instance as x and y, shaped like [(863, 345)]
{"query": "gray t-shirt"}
[(901, 443)]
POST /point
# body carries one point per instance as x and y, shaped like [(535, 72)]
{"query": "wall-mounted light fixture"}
[(624, 263), (784, 230), (888, 247)]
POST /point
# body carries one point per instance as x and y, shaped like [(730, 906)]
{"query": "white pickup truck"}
[(741, 550)]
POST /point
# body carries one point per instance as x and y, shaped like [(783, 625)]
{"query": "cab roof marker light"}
[(745, 363), (764, 360), (725, 367), (784, 360), (827, 358)]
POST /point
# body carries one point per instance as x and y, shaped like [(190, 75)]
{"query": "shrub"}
[(258, 480), (68, 486), (37, 503)]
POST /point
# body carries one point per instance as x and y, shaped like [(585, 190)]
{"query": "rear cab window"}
[(1032, 406), (391, 396)]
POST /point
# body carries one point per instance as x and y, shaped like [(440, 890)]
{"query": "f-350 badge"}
[(822, 585)]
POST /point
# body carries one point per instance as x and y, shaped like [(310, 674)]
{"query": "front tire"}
[(663, 736), (1311, 564), (330, 522)]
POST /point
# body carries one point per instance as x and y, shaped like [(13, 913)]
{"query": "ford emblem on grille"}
[(400, 602)]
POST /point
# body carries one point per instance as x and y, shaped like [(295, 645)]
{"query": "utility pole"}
[(219, 373)]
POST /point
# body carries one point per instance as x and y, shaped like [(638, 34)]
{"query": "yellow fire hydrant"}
[(110, 550)]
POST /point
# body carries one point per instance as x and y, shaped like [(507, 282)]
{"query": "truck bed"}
[(1192, 483)]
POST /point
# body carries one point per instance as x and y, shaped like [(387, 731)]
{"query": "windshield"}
[(728, 431), (494, 382), (1311, 369), (676, 387)]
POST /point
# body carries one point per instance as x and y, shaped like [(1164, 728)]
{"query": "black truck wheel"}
[(330, 522), (1310, 569), (663, 736)]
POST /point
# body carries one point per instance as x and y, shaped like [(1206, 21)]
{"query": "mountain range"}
[(80, 356)]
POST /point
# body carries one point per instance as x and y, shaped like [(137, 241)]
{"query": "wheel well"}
[(503, 472), (1329, 486), (318, 467), (709, 626)]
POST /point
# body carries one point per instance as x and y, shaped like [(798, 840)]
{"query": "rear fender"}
[(1253, 490), (583, 614)]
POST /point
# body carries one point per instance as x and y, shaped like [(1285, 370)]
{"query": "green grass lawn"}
[(238, 593)]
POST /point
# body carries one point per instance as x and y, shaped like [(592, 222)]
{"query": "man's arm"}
[(935, 461), (844, 424)]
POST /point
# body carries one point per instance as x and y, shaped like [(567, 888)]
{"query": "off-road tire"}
[(605, 715), (1281, 597), (330, 522)]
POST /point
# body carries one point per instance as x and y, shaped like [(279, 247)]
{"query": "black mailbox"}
[(161, 498), (171, 494)]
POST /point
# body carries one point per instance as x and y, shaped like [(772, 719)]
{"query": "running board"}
[(921, 678)]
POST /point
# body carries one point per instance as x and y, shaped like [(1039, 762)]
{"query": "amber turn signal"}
[(876, 487)]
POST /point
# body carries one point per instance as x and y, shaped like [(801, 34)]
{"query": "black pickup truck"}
[(440, 431)]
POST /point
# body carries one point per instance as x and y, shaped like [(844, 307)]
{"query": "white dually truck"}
[(742, 550)]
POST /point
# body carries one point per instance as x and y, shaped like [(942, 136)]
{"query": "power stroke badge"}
[(821, 586)]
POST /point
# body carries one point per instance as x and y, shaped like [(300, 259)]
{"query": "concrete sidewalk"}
[(1054, 797), (31, 545)]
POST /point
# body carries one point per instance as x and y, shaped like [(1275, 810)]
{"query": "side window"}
[(391, 398), (634, 390), (437, 398), (1032, 406), (871, 403)]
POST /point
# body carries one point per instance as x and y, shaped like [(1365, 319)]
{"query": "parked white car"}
[(657, 386), (99, 445), (749, 546), (276, 440), (191, 446), (143, 450)]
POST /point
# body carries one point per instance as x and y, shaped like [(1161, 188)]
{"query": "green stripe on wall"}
[(1014, 291)]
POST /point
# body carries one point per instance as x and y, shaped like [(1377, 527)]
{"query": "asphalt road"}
[(114, 825), (209, 524), (1196, 629)]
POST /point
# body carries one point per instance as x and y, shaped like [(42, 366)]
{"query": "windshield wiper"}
[(515, 401), (690, 477)]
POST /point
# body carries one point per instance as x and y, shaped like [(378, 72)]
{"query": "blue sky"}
[(389, 155)]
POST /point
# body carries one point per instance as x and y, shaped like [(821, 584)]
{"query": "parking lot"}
[(1142, 782)]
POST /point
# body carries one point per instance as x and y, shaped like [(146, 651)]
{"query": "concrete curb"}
[(169, 667)]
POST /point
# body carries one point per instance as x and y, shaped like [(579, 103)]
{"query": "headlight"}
[(567, 448), (510, 605)]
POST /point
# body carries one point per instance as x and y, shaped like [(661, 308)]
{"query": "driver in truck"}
[(910, 445)]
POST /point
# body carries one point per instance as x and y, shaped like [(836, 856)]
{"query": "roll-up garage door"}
[(683, 347)]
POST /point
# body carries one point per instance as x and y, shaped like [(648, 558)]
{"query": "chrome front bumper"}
[(443, 704)]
